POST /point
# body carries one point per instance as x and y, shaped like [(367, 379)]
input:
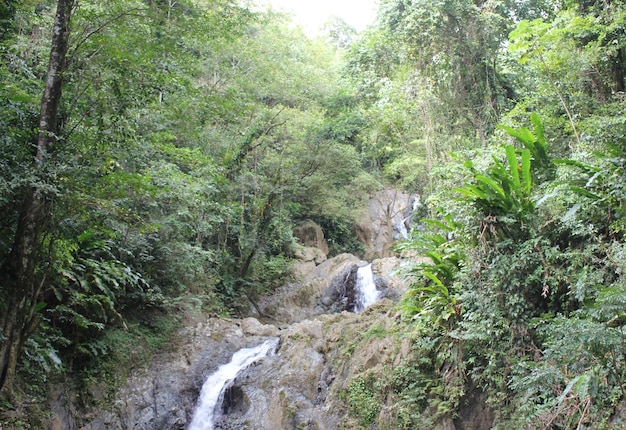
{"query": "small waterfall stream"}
[(212, 394), (399, 228), (366, 292)]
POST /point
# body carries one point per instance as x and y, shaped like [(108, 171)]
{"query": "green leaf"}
[(513, 166), (541, 139), (576, 163), (40, 306), (522, 134), (440, 224), (584, 192), (568, 388), (471, 191), (526, 176), (437, 282), (492, 185)]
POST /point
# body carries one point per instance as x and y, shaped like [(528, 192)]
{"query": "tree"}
[(339, 32), (456, 44), (577, 56), (21, 284)]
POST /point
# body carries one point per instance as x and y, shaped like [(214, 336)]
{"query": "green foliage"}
[(584, 358), (503, 194), (117, 352), (41, 358), (454, 43), (363, 400), (547, 255), (500, 191), (432, 297), (538, 148), (194, 135), (339, 234)]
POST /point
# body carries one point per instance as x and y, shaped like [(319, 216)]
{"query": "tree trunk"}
[(17, 274)]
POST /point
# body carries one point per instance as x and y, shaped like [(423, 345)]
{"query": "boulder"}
[(307, 253), (306, 260), (311, 235), (252, 326), (391, 269), (298, 301)]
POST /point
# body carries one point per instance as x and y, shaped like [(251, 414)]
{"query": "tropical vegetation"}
[(157, 154)]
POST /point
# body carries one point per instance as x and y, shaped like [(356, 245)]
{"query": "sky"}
[(312, 14)]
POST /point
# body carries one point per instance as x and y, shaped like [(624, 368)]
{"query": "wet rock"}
[(298, 301), (162, 395), (342, 294)]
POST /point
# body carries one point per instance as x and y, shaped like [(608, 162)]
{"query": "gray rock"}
[(252, 326), (311, 235)]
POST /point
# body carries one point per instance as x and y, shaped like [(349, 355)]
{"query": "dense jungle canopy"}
[(157, 154)]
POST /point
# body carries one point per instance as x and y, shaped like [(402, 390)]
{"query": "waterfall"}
[(212, 394), (366, 292), (400, 227)]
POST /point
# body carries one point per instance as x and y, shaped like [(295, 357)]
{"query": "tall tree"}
[(456, 43), (21, 288)]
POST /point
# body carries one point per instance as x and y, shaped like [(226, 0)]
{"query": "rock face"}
[(312, 250), (329, 287), (163, 395), (388, 218), (342, 294), (296, 302), (300, 387)]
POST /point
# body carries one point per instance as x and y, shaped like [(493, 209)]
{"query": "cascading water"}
[(212, 394), (399, 227), (366, 292)]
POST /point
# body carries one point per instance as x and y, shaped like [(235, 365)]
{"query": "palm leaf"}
[(441, 288), (541, 139), (522, 134), (584, 192), (584, 166)]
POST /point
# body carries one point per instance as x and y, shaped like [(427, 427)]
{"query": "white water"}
[(367, 294), (400, 227), (214, 387)]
